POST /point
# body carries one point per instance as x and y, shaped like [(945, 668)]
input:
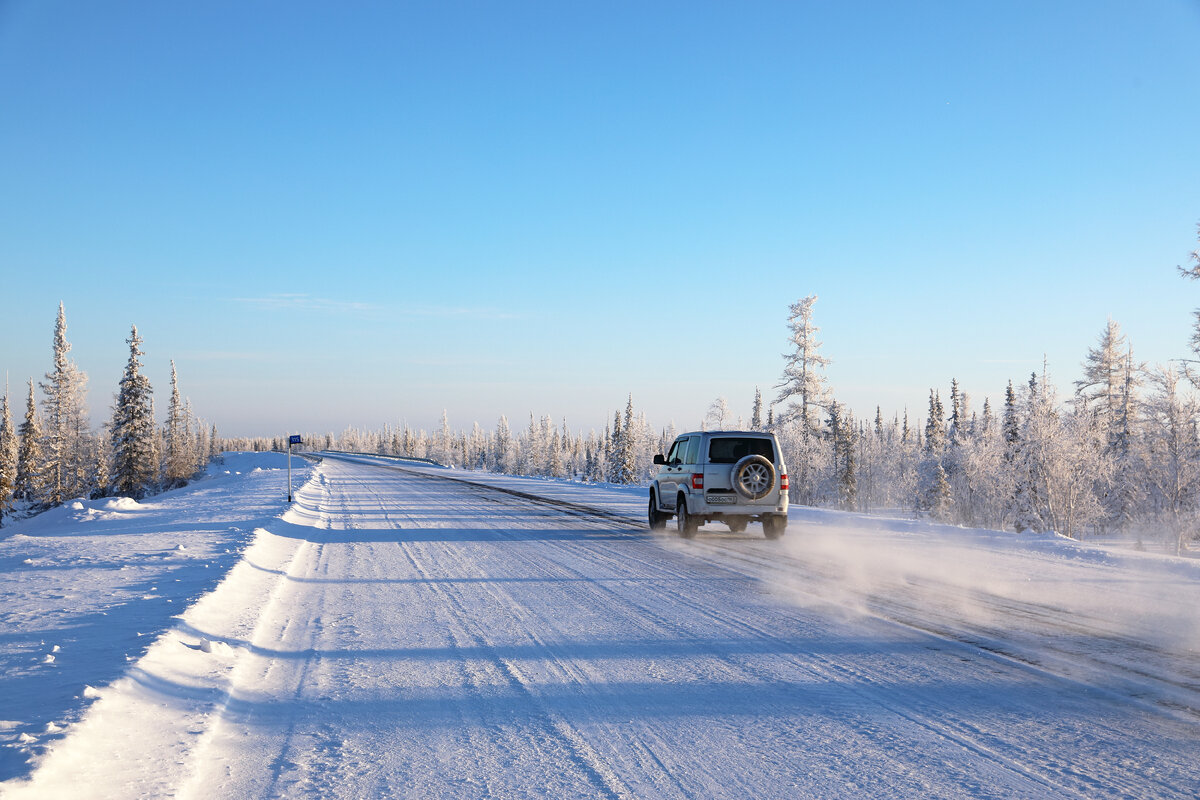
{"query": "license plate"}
[(714, 499)]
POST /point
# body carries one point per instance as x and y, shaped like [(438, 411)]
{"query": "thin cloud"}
[(307, 303)]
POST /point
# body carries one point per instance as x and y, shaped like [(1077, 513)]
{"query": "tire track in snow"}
[(1062, 778), (580, 752)]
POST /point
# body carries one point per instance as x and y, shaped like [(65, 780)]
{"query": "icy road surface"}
[(400, 633)]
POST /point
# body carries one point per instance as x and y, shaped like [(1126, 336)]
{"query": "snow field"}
[(99, 585)]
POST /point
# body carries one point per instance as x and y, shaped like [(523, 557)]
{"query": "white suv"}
[(730, 476)]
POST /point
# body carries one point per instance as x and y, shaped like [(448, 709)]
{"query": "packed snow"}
[(404, 630)]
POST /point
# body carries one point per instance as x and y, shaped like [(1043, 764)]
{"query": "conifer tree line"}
[(54, 455), (623, 453)]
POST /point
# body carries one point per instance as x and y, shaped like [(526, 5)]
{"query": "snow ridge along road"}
[(395, 633)]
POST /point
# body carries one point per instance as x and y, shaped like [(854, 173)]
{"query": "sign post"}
[(292, 439)]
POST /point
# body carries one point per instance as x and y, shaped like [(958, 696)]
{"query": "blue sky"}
[(357, 213)]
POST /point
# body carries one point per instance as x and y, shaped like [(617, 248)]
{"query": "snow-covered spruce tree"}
[(1108, 389), (933, 486), (984, 484), (66, 434), (843, 438), (8, 458), (178, 465), (612, 446), (556, 469), (502, 449), (31, 481), (1127, 489), (806, 394), (756, 418), (627, 448), (1062, 454), (133, 433), (444, 447), (1172, 458)]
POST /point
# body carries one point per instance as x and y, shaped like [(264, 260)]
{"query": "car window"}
[(731, 449), (676, 451), (693, 450)]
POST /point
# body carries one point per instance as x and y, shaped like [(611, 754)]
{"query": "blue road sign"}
[(294, 439)]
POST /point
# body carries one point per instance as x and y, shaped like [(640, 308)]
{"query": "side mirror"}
[(659, 460)]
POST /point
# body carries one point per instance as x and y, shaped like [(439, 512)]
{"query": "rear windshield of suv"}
[(731, 449)]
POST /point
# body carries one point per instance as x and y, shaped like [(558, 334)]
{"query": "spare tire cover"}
[(753, 477)]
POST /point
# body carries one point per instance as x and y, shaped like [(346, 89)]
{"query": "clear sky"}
[(353, 213)]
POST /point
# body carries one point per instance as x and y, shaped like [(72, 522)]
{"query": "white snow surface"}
[(409, 631)]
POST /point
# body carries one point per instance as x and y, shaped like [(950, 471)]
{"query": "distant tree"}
[(843, 437), (133, 431), (8, 458), (933, 485), (556, 468), (627, 448), (804, 390), (31, 480), (502, 457), (756, 418), (444, 447), (718, 412), (803, 385), (612, 449), (66, 445), (178, 465), (1103, 382), (1172, 457), (1193, 272)]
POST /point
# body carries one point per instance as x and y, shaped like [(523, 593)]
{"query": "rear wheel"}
[(656, 518), (687, 524), (774, 526)]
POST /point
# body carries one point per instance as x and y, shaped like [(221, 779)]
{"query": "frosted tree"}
[(1108, 389), (626, 451), (133, 431), (30, 485), (66, 435), (933, 485), (803, 385), (806, 395), (1103, 383), (1193, 272), (178, 464), (443, 446), (502, 451), (843, 437), (983, 482), (8, 458), (718, 413), (1172, 458), (756, 417)]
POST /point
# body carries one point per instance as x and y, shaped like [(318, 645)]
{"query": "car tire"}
[(753, 477), (774, 526), (656, 518), (687, 524)]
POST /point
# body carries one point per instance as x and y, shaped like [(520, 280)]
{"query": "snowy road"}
[(400, 634)]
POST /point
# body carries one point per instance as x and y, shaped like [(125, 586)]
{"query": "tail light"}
[(783, 482), (697, 480)]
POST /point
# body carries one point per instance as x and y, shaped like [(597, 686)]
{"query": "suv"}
[(730, 476)]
